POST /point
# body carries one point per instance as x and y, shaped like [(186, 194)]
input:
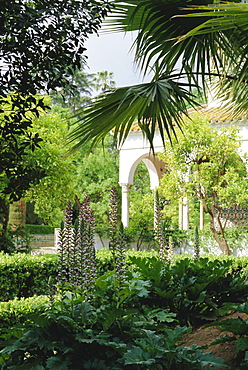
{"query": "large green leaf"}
[(138, 357), (154, 106), (184, 47)]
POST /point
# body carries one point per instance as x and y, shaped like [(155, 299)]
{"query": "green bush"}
[(111, 332), (23, 275), (15, 311), (194, 290), (39, 229)]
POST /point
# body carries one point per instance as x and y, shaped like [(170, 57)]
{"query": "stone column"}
[(185, 213), (201, 216), (180, 214), (125, 204)]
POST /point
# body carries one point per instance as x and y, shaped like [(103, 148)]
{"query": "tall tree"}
[(104, 81), (97, 173), (80, 95), (206, 163), (51, 194), (41, 45), (168, 32)]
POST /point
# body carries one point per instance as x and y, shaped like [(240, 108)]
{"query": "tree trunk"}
[(219, 236), (4, 216), (17, 214), (221, 240)]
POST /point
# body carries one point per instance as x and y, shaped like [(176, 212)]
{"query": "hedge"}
[(22, 275), (15, 311), (39, 229)]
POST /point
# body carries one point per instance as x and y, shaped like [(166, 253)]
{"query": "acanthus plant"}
[(197, 244), (158, 229), (76, 253), (117, 243), (65, 246), (85, 243)]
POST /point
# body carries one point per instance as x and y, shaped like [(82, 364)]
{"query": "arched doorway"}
[(134, 150)]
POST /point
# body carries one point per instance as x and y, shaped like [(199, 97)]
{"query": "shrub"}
[(108, 333), (195, 290), (39, 229), (23, 275), (15, 311)]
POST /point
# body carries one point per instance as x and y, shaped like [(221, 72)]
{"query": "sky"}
[(111, 52)]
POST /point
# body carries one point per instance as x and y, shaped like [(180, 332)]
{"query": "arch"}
[(135, 150), (151, 167)]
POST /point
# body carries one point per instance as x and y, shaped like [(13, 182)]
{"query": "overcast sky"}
[(111, 52)]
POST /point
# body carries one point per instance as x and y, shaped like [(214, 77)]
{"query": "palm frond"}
[(159, 25), (154, 106), (229, 22), (169, 31)]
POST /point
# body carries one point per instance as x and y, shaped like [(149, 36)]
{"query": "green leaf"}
[(242, 344), (236, 326), (161, 315), (57, 363), (136, 356), (110, 315)]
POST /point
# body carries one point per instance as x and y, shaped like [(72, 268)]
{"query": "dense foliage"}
[(207, 165), (127, 323), (23, 275), (42, 44)]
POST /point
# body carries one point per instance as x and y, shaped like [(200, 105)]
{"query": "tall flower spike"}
[(196, 244), (170, 251), (66, 242), (158, 229), (77, 263), (117, 243), (86, 247)]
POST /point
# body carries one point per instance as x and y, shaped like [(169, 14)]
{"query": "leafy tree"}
[(42, 44), (141, 211), (97, 173), (84, 85), (71, 176), (16, 175), (205, 163), (50, 196), (211, 43), (141, 207), (81, 94)]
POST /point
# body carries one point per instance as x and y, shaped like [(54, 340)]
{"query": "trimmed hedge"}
[(39, 229), (22, 275), (15, 311)]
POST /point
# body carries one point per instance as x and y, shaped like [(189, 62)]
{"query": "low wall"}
[(48, 244), (44, 244)]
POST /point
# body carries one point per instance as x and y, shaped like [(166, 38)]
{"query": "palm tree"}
[(104, 81), (210, 41)]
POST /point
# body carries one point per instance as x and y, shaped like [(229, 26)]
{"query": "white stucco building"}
[(136, 149)]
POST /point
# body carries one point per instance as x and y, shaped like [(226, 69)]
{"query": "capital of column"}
[(125, 187)]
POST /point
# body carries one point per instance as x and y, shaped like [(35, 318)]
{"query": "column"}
[(180, 214), (125, 204), (201, 216), (185, 213)]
